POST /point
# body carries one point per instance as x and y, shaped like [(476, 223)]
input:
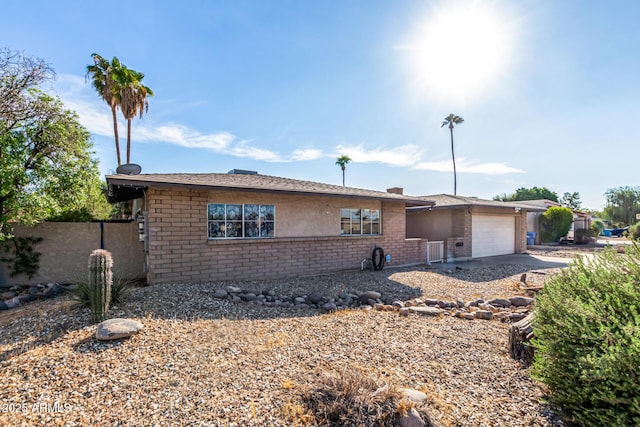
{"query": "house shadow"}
[(499, 267)]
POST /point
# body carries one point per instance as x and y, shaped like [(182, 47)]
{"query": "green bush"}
[(555, 223), (587, 327), (634, 232), (119, 289), (597, 226)]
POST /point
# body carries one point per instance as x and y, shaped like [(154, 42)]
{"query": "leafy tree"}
[(342, 162), (451, 120), (533, 193), (102, 74), (45, 154), (555, 223), (571, 201), (623, 203)]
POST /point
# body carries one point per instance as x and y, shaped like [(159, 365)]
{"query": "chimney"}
[(395, 190)]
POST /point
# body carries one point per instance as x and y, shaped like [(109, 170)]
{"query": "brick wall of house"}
[(179, 250)]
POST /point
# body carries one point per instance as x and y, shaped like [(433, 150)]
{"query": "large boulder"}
[(114, 329)]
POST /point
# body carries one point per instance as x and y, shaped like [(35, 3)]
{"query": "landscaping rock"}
[(414, 395), (520, 301), (233, 290), (411, 419), (484, 315), (500, 302), (427, 311), (372, 295), (220, 293), (7, 295), (114, 329), (329, 307)]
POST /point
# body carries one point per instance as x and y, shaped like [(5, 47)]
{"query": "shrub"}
[(634, 232), (597, 226), (20, 256), (119, 289), (587, 327), (555, 223)]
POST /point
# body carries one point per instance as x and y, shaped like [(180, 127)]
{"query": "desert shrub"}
[(597, 226), (587, 328), (352, 397), (20, 255), (634, 232), (555, 223), (119, 289)]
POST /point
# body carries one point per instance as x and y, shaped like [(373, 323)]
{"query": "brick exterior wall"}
[(179, 250)]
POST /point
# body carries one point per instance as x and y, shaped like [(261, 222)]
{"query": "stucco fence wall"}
[(65, 249)]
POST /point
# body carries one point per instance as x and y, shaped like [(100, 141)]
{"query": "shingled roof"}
[(126, 187), (444, 201)]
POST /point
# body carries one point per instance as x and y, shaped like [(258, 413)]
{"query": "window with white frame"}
[(225, 220), (359, 221)]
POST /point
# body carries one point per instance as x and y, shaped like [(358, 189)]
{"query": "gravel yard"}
[(206, 361)]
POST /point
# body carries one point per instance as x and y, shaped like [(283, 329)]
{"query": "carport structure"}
[(471, 227)]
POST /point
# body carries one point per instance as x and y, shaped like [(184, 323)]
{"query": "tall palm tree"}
[(102, 74), (134, 99), (342, 162), (450, 120)]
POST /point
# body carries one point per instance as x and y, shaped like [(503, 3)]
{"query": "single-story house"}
[(243, 225), (470, 227), (581, 220)]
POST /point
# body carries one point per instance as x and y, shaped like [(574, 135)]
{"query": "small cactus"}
[(100, 280)]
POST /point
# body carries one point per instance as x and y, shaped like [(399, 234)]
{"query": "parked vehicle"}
[(619, 232)]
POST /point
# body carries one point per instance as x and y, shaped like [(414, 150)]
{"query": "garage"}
[(492, 235)]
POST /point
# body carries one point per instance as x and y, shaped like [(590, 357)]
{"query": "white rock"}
[(114, 329)]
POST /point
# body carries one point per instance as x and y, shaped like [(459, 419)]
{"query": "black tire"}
[(377, 259)]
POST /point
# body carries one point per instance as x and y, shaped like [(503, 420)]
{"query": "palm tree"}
[(102, 74), (342, 162), (450, 120), (134, 99)]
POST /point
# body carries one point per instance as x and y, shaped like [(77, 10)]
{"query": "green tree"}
[(451, 120), (342, 161), (45, 154), (533, 193), (134, 99), (102, 74), (555, 223), (571, 201), (623, 203)]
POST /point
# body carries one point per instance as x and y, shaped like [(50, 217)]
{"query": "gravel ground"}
[(205, 361)]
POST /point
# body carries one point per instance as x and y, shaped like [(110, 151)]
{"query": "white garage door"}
[(492, 235)]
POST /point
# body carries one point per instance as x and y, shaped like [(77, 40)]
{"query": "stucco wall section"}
[(179, 250), (66, 246)]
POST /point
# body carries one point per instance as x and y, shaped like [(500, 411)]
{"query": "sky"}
[(549, 89)]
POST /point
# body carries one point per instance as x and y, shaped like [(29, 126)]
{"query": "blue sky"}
[(549, 89)]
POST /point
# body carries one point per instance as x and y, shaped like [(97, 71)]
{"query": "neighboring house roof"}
[(549, 203), (541, 203), (126, 187), (446, 201)]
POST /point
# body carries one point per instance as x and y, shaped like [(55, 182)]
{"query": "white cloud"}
[(78, 95), (466, 166), (404, 155)]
